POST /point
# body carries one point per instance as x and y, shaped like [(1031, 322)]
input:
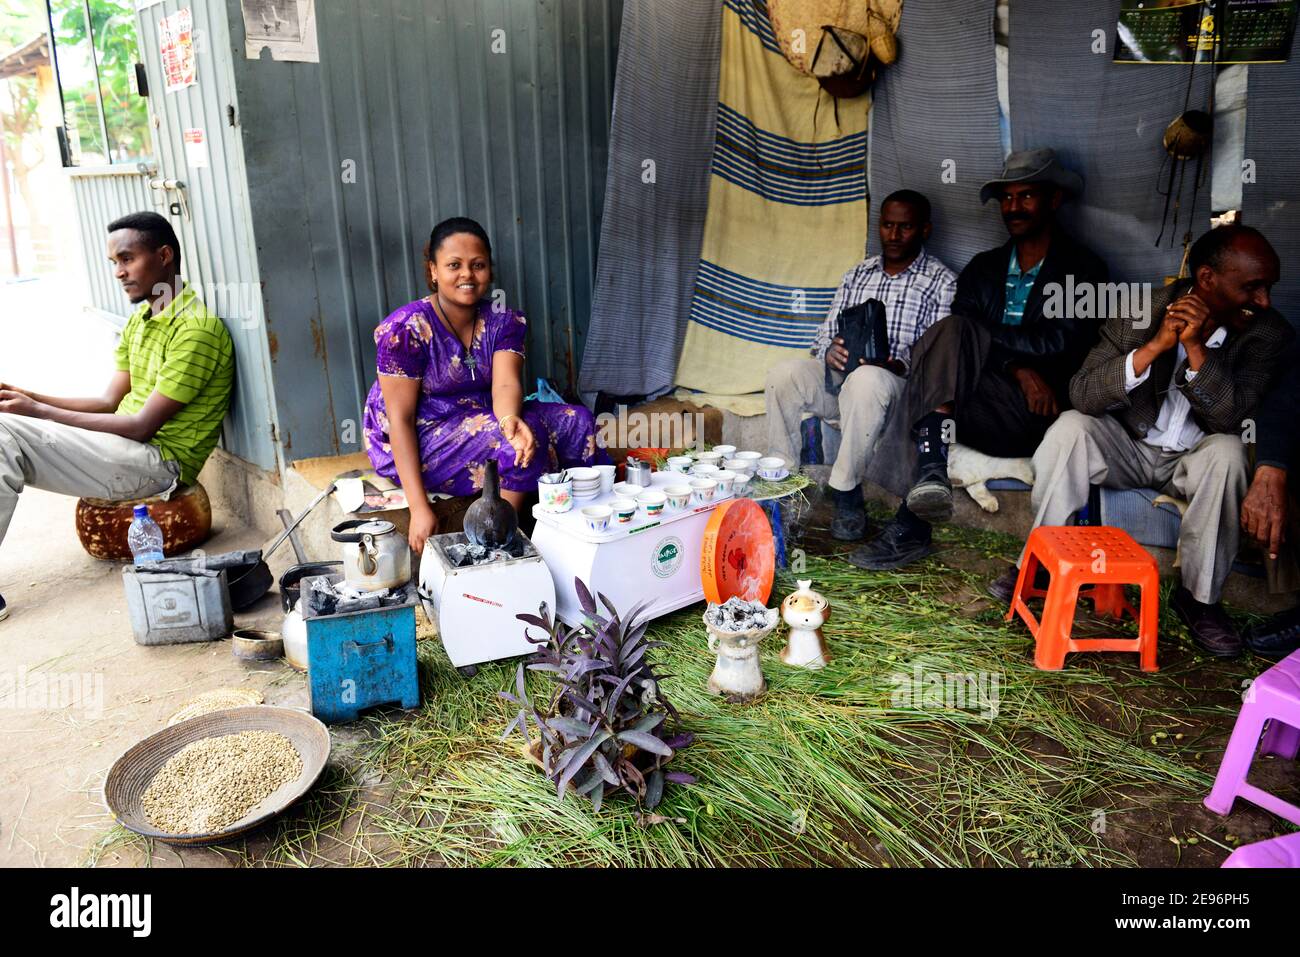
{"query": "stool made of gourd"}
[(1097, 558), (185, 519)]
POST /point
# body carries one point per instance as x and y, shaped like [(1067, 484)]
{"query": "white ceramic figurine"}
[(805, 611)]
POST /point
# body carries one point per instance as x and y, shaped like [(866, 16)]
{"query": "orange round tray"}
[(738, 558)]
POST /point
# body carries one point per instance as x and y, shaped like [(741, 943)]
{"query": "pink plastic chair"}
[(1273, 700), (1281, 851)]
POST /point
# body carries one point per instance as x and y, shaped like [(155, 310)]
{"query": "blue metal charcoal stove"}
[(361, 660)]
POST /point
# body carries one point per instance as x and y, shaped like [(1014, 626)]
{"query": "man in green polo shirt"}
[(161, 414)]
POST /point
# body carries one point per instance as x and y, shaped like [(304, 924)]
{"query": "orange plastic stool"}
[(1103, 560)]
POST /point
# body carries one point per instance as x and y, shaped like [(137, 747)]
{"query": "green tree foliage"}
[(113, 34)]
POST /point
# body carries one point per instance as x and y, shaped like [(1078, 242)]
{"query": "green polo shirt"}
[(185, 353)]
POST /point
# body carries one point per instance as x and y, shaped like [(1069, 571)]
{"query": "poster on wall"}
[(1186, 31), (286, 27), (196, 148), (176, 43)]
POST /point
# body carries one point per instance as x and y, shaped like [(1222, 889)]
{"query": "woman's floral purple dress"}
[(457, 431)]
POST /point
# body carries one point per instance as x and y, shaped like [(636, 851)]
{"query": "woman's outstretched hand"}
[(520, 437), (424, 525)]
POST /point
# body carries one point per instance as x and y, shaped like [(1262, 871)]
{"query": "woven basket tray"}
[(132, 773)]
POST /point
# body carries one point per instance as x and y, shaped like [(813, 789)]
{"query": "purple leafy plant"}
[(604, 725)]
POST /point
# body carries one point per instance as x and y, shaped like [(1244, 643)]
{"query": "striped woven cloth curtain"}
[(787, 211), (1106, 121), (934, 124), (656, 194)]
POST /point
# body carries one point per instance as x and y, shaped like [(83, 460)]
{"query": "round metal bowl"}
[(250, 644), (132, 773)]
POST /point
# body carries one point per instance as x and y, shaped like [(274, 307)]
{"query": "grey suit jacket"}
[(1224, 393)]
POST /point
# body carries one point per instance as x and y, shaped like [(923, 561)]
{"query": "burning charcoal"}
[(458, 555), (477, 553), (347, 606), (319, 598)]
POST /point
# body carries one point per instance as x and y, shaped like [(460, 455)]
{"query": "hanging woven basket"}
[(799, 24)]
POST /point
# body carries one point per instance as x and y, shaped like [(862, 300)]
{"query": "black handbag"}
[(865, 335)]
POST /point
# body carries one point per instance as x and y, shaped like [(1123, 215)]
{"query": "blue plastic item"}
[(545, 393), (361, 661), (144, 537)]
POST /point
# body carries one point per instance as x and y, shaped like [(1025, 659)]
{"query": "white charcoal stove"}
[(474, 606)]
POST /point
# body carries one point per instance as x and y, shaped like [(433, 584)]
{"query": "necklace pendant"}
[(471, 363)]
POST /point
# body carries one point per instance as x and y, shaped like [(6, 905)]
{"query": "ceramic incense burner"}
[(805, 611), (737, 673)]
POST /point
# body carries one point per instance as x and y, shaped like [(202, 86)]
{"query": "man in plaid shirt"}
[(917, 291)]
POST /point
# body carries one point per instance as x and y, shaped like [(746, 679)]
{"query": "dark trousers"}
[(950, 364)]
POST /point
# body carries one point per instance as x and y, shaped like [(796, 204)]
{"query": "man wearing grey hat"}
[(995, 374)]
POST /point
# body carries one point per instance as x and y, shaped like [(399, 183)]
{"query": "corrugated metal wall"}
[(216, 236), (101, 198), (437, 120)]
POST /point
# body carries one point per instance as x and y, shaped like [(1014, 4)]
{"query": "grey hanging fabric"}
[(934, 124), (1105, 120), (665, 110), (1272, 202)]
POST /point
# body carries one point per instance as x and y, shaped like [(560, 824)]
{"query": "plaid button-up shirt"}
[(914, 300)]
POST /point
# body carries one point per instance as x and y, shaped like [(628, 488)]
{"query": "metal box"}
[(177, 609), (362, 660)]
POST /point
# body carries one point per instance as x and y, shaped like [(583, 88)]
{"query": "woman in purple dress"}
[(450, 393)]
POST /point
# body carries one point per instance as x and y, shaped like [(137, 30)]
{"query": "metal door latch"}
[(179, 207)]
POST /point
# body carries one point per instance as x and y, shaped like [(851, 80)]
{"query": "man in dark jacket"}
[(1165, 404), (1270, 514), (995, 374)]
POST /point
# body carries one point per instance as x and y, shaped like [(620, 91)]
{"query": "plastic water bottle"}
[(144, 537)]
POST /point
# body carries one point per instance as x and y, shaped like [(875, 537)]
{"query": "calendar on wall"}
[(1187, 31)]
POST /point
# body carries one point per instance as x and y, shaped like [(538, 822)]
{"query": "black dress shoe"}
[(1209, 625), (1277, 637), (1004, 586), (930, 499), (4, 609), (895, 546), (848, 525), (850, 521)]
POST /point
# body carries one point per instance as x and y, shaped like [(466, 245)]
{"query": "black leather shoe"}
[(1275, 638), (894, 547), (4, 609), (1209, 625), (1004, 586), (850, 521), (930, 499), (849, 526)]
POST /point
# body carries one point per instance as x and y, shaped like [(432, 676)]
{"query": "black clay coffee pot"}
[(491, 521)]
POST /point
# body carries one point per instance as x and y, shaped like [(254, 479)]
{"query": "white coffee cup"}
[(606, 477), (598, 517), (704, 490)]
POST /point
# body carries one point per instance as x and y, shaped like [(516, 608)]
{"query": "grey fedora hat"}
[(1033, 166)]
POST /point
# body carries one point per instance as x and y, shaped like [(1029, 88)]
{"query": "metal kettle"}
[(375, 555)]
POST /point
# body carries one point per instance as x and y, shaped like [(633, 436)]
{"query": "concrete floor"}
[(68, 624), (68, 629)]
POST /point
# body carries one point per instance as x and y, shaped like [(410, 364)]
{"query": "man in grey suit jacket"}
[(1166, 404)]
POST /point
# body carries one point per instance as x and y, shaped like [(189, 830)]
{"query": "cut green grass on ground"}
[(987, 761)]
